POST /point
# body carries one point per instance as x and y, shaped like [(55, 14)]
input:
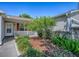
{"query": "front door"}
[(8, 29)]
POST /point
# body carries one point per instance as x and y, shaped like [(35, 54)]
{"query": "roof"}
[(2, 13), (66, 13), (17, 19)]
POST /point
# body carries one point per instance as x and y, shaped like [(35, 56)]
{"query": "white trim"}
[(28, 33), (12, 31), (23, 26)]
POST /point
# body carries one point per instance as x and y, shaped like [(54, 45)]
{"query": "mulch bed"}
[(38, 43), (43, 45)]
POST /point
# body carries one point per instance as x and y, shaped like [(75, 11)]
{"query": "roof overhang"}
[(17, 19), (61, 15), (66, 13), (75, 26)]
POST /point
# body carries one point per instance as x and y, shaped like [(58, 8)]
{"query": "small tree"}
[(25, 15), (41, 25)]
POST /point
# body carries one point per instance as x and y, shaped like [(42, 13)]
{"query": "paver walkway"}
[(8, 48)]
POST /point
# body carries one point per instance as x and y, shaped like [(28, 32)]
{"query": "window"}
[(8, 30), (9, 27), (22, 27)]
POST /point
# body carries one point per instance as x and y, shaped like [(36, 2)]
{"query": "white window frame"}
[(23, 26)]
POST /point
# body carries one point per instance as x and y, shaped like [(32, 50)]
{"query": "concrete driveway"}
[(8, 49)]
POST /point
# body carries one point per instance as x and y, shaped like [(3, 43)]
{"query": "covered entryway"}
[(9, 29)]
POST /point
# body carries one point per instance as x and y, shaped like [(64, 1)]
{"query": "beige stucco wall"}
[(60, 24), (76, 16)]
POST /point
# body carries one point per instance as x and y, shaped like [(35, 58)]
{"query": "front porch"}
[(14, 29), (13, 26)]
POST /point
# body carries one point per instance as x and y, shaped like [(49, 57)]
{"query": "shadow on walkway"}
[(7, 39)]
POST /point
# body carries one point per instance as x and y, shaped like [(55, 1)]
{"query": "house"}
[(12, 25), (68, 23)]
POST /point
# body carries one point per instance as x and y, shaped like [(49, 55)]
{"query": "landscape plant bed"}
[(49, 48), (38, 43), (25, 47), (22, 43), (67, 44), (37, 47)]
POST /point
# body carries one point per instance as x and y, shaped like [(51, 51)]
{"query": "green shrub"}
[(23, 43), (31, 52), (47, 33), (17, 38), (40, 24), (26, 49), (40, 33), (68, 44)]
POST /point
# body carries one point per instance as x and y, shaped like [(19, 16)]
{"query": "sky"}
[(37, 8)]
